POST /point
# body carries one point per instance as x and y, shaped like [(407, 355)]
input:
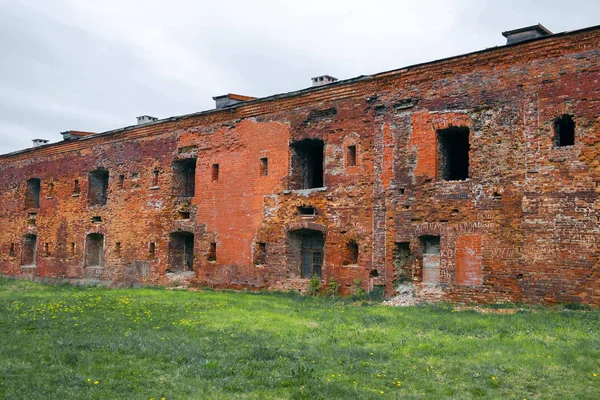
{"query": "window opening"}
[(212, 252), (11, 252), (431, 244), (184, 177), (307, 164), (32, 193), (261, 252), (264, 166), (94, 250), (28, 257), (96, 219), (215, 172), (305, 210), (72, 250), (121, 182), (32, 219), (155, 175), (76, 187), (184, 215), (351, 156), (351, 253), (453, 153), (97, 187), (564, 131), (46, 250), (152, 250), (181, 252), (118, 249), (50, 189)]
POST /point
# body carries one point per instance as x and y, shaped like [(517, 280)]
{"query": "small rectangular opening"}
[(11, 252), (155, 175), (96, 219), (215, 172), (261, 252), (351, 253), (264, 166), (50, 190), (306, 210), (31, 219), (118, 249), (72, 250), (453, 153), (46, 249), (121, 182), (212, 252), (76, 187), (184, 215), (564, 131), (351, 156), (152, 250)]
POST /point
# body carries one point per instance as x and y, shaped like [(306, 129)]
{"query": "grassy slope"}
[(57, 342)]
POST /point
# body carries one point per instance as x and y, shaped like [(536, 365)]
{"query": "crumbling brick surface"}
[(523, 226)]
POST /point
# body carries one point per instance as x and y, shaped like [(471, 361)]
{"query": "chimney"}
[(145, 119), (230, 99), (70, 135), (39, 142), (323, 80), (527, 33)]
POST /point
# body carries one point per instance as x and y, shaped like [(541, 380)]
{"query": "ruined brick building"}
[(477, 177)]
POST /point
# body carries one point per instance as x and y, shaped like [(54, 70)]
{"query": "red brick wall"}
[(524, 226)]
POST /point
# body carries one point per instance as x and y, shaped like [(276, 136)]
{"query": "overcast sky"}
[(95, 65)]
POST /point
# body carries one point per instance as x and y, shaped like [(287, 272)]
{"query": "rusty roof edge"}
[(299, 92)]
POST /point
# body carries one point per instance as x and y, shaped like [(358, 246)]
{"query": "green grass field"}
[(63, 342)]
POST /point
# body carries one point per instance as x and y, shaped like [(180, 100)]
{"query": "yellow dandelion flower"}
[(96, 382)]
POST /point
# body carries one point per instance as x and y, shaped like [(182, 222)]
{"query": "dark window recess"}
[(181, 252), (32, 193), (497, 196), (215, 172), (453, 153), (564, 131), (351, 156), (184, 177), (96, 219), (374, 273), (261, 254), (76, 187), (29, 251), (118, 249), (72, 250), (46, 250), (431, 244), (307, 164), (351, 253), (121, 182), (31, 219), (212, 252), (152, 250), (264, 166), (11, 252), (94, 250), (304, 210), (155, 174), (184, 215), (98, 187), (50, 190)]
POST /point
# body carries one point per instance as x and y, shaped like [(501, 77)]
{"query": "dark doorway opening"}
[(306, 249), (28, 257), (181, 252), (564, 131), (307, 164), (94, 250), (453, 150)]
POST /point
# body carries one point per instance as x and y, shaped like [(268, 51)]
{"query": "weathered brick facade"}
[(450, 174)]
